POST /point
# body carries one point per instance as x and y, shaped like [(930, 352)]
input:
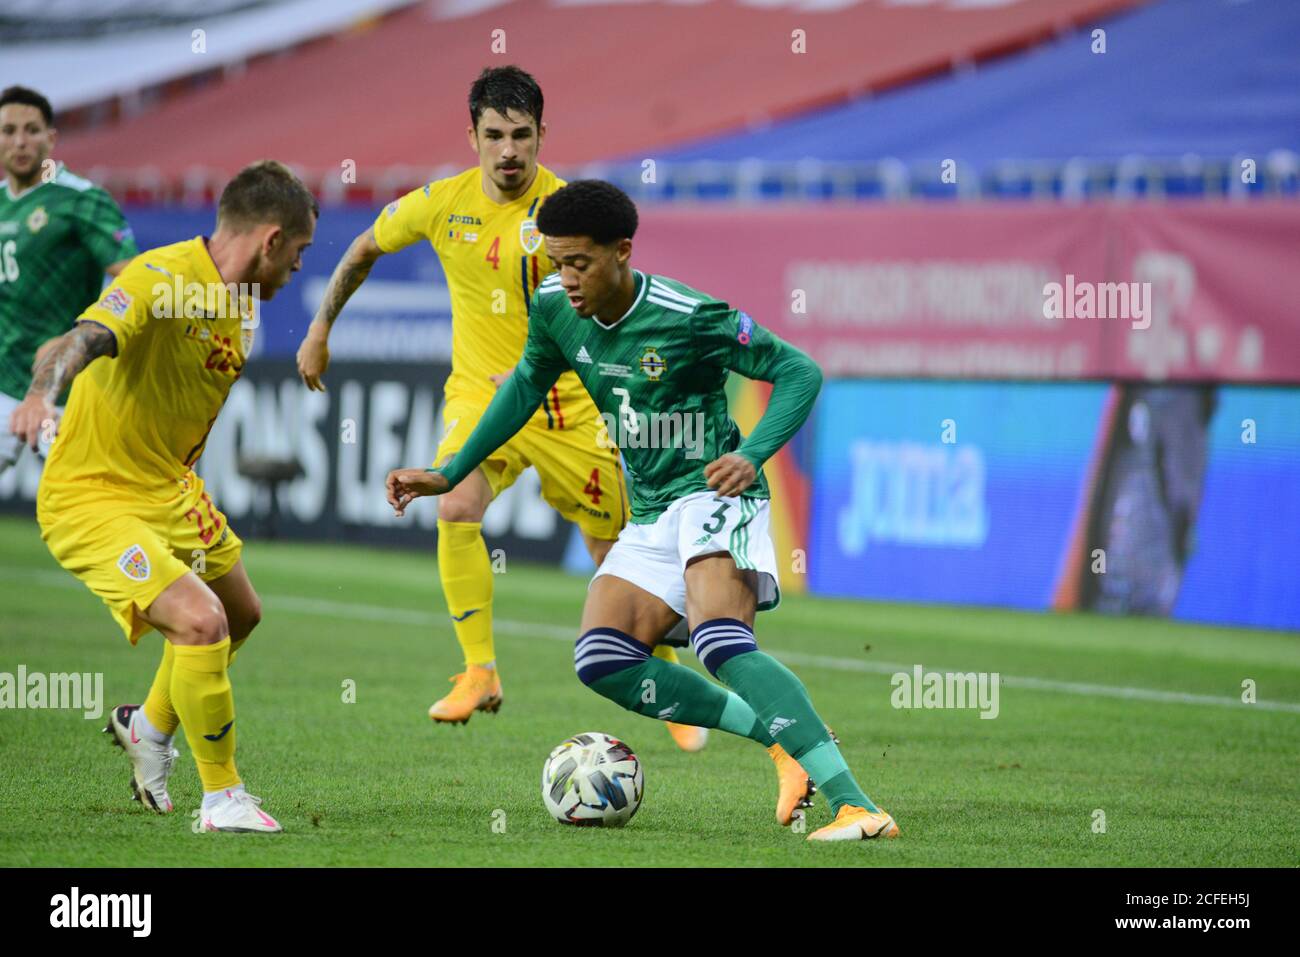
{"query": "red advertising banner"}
[(1204, 290)]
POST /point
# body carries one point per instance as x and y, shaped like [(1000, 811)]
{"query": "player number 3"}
[(626, 412), (719, 519)]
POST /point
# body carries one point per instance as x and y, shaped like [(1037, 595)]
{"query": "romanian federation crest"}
[(529, 237), (134, 564), (653, 364)]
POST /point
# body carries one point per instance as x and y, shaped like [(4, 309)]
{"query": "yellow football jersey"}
[(494, 259), (137, 421)]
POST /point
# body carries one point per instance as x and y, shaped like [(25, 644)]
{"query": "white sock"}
[(212, 798), (148, 731)]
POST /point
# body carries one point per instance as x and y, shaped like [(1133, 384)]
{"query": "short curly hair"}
[(588, 207)]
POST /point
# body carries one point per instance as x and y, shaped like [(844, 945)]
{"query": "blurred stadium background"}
[(889, 184)]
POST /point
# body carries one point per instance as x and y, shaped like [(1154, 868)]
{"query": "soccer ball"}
[(592, 780)]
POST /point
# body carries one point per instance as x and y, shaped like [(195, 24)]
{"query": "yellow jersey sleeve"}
[(413, 217), (124, 307)]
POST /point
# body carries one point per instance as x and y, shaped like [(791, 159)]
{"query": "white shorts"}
[(654, 557), (11, 446)]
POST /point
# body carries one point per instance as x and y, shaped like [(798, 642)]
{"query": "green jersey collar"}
[(639, 277), (41, 181)]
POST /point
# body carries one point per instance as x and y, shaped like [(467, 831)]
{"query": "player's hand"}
[(499, 380), (406, 485), (730, 474), (314, 358), (32, 417)]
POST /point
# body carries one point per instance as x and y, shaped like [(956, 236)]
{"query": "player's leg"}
[(686, 736), (240, 602), (191, 617), (464, 567), (465, 571), (582, 478), (721, 600), (205, 615), (223, 571), (621, 623)]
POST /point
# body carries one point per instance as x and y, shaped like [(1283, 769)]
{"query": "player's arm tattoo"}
[(348, 276), (69, 355)]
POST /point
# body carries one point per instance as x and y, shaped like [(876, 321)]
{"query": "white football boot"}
[(239, 812), (151, 763)]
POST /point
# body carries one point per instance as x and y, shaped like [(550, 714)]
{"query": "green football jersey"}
[(657, 375), (56, 240)]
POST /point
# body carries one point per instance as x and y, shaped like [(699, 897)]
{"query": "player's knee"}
[(460, 509), (202, 623), (601, 652), (719, 640)]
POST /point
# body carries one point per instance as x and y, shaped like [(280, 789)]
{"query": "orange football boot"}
[(474, 689), (795, 789), (856, 824), (687, 736)]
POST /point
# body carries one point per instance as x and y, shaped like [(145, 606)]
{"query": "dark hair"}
[(27, 97), (267, 192), (588, 207), (504, 88)]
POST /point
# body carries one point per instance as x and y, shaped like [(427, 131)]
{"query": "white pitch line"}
[(296, 604)]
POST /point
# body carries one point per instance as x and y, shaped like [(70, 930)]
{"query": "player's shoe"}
[(151, 763), (856, 824), (795, 789), (239, 812), (474, 689), (687, 736)]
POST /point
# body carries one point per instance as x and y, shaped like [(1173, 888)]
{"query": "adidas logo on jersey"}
[(702, 540), (583, 356), (780, 724)]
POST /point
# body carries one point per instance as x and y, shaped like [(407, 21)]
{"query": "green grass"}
[(374, 783)]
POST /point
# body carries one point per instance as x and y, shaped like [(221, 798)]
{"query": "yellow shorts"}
[(128, 553), (581, 480)]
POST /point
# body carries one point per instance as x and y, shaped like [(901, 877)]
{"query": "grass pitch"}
[(1136, 720)]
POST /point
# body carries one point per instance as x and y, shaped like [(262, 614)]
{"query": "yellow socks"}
[(466, 573), (158, 705), (668, 653), (200, 692)]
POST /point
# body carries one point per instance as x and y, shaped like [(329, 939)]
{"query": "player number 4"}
[(494, 253), (592, 488)]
